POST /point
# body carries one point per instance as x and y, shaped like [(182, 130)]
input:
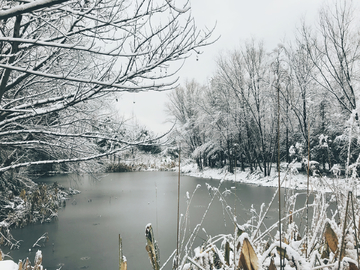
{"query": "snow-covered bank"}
[(26, 264), (290, 177), (8, 265)]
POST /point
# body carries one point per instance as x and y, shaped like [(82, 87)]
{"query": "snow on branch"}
[(29, 7), (79, 135), (68, 46), (118, 84), (62, 61), (59, 161), (43, 237)]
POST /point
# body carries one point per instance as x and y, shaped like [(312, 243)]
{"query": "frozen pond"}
[(86, 234)]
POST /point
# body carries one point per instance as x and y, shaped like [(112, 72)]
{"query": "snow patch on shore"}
[(289, 177), (8, 265)]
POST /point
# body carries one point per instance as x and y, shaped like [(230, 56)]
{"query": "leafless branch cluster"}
[(59, 59)]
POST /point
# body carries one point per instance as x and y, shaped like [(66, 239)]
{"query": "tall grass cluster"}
[(325, 239)]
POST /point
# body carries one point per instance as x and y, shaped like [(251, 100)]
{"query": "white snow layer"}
[(289, 177), (8, 265)]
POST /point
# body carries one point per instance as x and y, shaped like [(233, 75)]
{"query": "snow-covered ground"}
[(11, 265), (290, 177), (8, 265)]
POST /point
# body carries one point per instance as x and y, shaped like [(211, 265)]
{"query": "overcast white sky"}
[(236, 21)]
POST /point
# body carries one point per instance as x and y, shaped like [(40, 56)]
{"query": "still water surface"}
[(86, 234)]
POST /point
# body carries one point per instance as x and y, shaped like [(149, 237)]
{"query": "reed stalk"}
[(278, 167), (178, 216), (344, 230), (307, 191), (122, 260), (152, 248), (356, 236)]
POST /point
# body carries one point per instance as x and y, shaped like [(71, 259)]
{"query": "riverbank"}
[(142, 162), (290, 177)]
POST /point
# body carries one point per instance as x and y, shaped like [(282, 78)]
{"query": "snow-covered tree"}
[(334, 52), (332, 47), (59, 59), (246, 74), (316, 76), (183, 106)]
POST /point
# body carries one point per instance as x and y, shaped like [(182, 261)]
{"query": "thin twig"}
[(278, 167), (178, 216), (44, 236)]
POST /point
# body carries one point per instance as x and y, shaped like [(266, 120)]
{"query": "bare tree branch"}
[(61, 62), (29, 7)]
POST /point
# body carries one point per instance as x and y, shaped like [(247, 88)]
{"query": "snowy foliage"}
[(305, 90)]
